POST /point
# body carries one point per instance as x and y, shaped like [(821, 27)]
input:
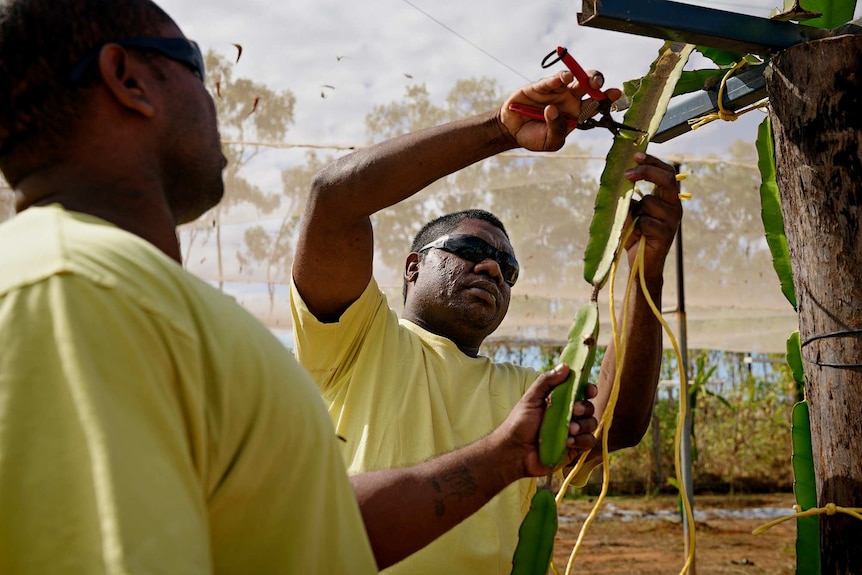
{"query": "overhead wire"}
[(465, 39), (680, 158)]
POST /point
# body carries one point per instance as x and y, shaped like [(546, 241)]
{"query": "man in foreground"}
[(148, 424), (401, 391)]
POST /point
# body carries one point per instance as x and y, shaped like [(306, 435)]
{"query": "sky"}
[(369, 52)]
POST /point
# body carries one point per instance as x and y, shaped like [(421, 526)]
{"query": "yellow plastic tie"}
[(722, 113), (828, 509), (683, 195)]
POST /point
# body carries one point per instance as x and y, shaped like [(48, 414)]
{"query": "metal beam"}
[(696, 25), (741, 90)]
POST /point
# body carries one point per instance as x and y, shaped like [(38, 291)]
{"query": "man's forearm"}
[(405, 509), (642, 333), (382, 175)]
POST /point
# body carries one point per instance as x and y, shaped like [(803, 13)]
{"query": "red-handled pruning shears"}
[(600, 104)]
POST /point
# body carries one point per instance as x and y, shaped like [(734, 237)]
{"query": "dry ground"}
[(654, 545)]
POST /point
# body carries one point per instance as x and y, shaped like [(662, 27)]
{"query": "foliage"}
[(805, 489), (794, 360), (833, 12), (742, 426), (741, 421), (579, 354), (773, 220), (411, 113), (645, 112), (248, 112), (273, 249)]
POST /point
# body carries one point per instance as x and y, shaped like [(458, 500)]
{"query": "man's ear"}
[(127, 79), (411, 267)]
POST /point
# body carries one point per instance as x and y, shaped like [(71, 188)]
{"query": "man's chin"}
[(482, 318), (209, 200)]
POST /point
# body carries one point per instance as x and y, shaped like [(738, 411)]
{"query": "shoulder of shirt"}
[(54, 242)]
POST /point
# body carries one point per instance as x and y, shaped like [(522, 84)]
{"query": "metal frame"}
[(741, 90), (697, 25)]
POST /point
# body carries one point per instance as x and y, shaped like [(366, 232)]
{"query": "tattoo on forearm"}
[(459, 483)]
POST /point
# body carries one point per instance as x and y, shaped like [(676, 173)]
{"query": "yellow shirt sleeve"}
[(331, 351)]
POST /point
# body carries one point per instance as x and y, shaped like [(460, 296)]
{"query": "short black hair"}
[(40, 42), (445, 224)]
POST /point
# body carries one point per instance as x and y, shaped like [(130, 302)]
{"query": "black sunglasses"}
[(182, 50), (475, 250)]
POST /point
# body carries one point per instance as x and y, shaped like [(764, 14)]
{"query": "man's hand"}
[(560, 94), (658, 214), (582, 426), (518, 435)]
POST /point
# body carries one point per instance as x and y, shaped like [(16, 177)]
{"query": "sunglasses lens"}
[(475, 253), (475, 250), (509, 268)]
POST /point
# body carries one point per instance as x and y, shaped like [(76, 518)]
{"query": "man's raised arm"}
[(333, 261), (659, 215)]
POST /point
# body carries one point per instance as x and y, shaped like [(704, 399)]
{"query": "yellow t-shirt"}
[(148, 424), (400, 395)]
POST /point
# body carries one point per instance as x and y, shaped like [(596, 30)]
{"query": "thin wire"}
[(473, 44), (679, 158), (839, 333)]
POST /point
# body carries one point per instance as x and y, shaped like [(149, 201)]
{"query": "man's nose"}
[(491, 267)]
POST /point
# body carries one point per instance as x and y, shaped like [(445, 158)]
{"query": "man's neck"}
[(470, 349), (134, 209)]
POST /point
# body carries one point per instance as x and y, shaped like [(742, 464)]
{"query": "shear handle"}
[(537, 113), (575, 68)]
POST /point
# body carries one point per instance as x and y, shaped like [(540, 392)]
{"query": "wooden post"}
[(815, 93)]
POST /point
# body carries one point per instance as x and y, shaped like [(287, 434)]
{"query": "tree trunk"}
[(815, 94)]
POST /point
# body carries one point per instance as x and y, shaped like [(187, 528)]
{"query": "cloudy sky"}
[(370, 51)]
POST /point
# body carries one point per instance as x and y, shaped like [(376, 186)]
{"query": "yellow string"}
[(828, 509), (607, 417), (722, 113), (683, 408)]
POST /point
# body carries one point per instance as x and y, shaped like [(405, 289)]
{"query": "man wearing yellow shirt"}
[(403, 390), (148, 424)]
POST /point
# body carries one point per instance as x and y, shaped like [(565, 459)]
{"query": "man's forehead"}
[(485, 230)]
